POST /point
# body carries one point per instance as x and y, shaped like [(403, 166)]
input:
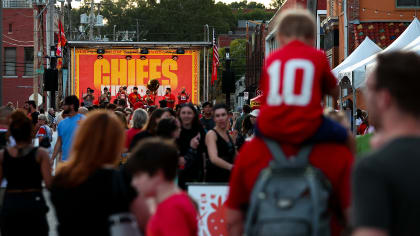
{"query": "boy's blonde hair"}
[(299, 23)]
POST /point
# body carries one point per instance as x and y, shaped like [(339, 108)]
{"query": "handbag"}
[(123, 223)]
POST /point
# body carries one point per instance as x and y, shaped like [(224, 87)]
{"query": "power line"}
[(17, 40)]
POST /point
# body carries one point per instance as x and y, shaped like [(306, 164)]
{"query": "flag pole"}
[(208, 81)]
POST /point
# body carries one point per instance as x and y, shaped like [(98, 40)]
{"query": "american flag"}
[(215, 60)]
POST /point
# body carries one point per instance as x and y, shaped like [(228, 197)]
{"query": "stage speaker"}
[(51, 80)]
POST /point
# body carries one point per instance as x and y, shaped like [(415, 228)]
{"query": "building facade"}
[(262, 40), (350, 21), (18, 51), (255, 54)]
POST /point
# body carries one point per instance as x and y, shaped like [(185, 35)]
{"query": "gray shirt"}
[(386, 193)]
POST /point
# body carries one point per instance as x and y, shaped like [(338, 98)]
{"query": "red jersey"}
[(294, 80), (170, 98), (149, 99), (129, 135), (121, 95), (175, 216), (183, 98), (134, 98), (334, 160)]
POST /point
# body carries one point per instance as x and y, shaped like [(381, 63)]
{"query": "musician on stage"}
[(105, 97), (149, 98), (170, 98), (135, 100), (183, 97)]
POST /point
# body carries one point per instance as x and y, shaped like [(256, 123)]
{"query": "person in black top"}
[(220, 146), (191, 145), (385, 182), (30, 106), (151, 126), (24, 167), (207, 120), (88, 189)]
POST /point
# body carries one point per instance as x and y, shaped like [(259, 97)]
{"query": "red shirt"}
[(171, 98), (175, 216), (334, 160), (183, 98), (122, 95), (362, 129), (134, 98), (129, 136), (41, 132), (150, 99), (294, 80)]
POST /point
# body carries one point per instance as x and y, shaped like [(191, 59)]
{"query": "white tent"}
[(366, 49), (412, 47), (358, 70)]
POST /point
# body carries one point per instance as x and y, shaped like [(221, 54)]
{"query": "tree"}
[(255, 14), (276, 4), (167, 20), (238, 56), (245, 5)]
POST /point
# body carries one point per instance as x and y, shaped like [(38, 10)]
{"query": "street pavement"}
[(52, 221)]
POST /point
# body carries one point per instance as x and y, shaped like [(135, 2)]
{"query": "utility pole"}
[(35, 69), (1, 52), (115, 36), (91, 20), (69, 18), (50, 45), (137, 30), (204, 68), (229, 78), (99, 12)]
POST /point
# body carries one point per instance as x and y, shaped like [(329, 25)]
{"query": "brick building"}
[(262, 41), (255, 54), (383, 23), (18, 51)]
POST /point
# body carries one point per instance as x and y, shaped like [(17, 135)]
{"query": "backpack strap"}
[(301, 160)]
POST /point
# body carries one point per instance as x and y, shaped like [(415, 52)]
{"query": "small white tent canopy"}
[(358, 70), (412, 47), (366, 49)]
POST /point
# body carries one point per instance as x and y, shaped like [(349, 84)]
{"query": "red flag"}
[(62, 41), (215, 61)]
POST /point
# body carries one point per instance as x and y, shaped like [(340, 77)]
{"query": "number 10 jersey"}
[(293, 82)]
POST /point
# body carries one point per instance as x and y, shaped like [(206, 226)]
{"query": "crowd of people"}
[(290, 165)]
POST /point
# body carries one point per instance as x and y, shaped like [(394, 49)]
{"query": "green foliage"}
[(172, 20), (276, 4), (255, 14), (238, 56), (245, 5)]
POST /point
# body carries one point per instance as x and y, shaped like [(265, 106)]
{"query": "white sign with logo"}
[(210, 200)]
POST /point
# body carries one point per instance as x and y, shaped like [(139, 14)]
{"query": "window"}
[(408, 3), (10, 28), (10, 61), (29, 61)]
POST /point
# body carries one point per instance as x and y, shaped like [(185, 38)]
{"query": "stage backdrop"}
[(115, 70)]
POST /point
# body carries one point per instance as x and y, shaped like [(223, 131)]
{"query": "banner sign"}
[(127, 67), (210, 200)]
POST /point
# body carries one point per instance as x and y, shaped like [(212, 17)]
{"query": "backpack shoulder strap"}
[(278, 155), (301, 160)]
